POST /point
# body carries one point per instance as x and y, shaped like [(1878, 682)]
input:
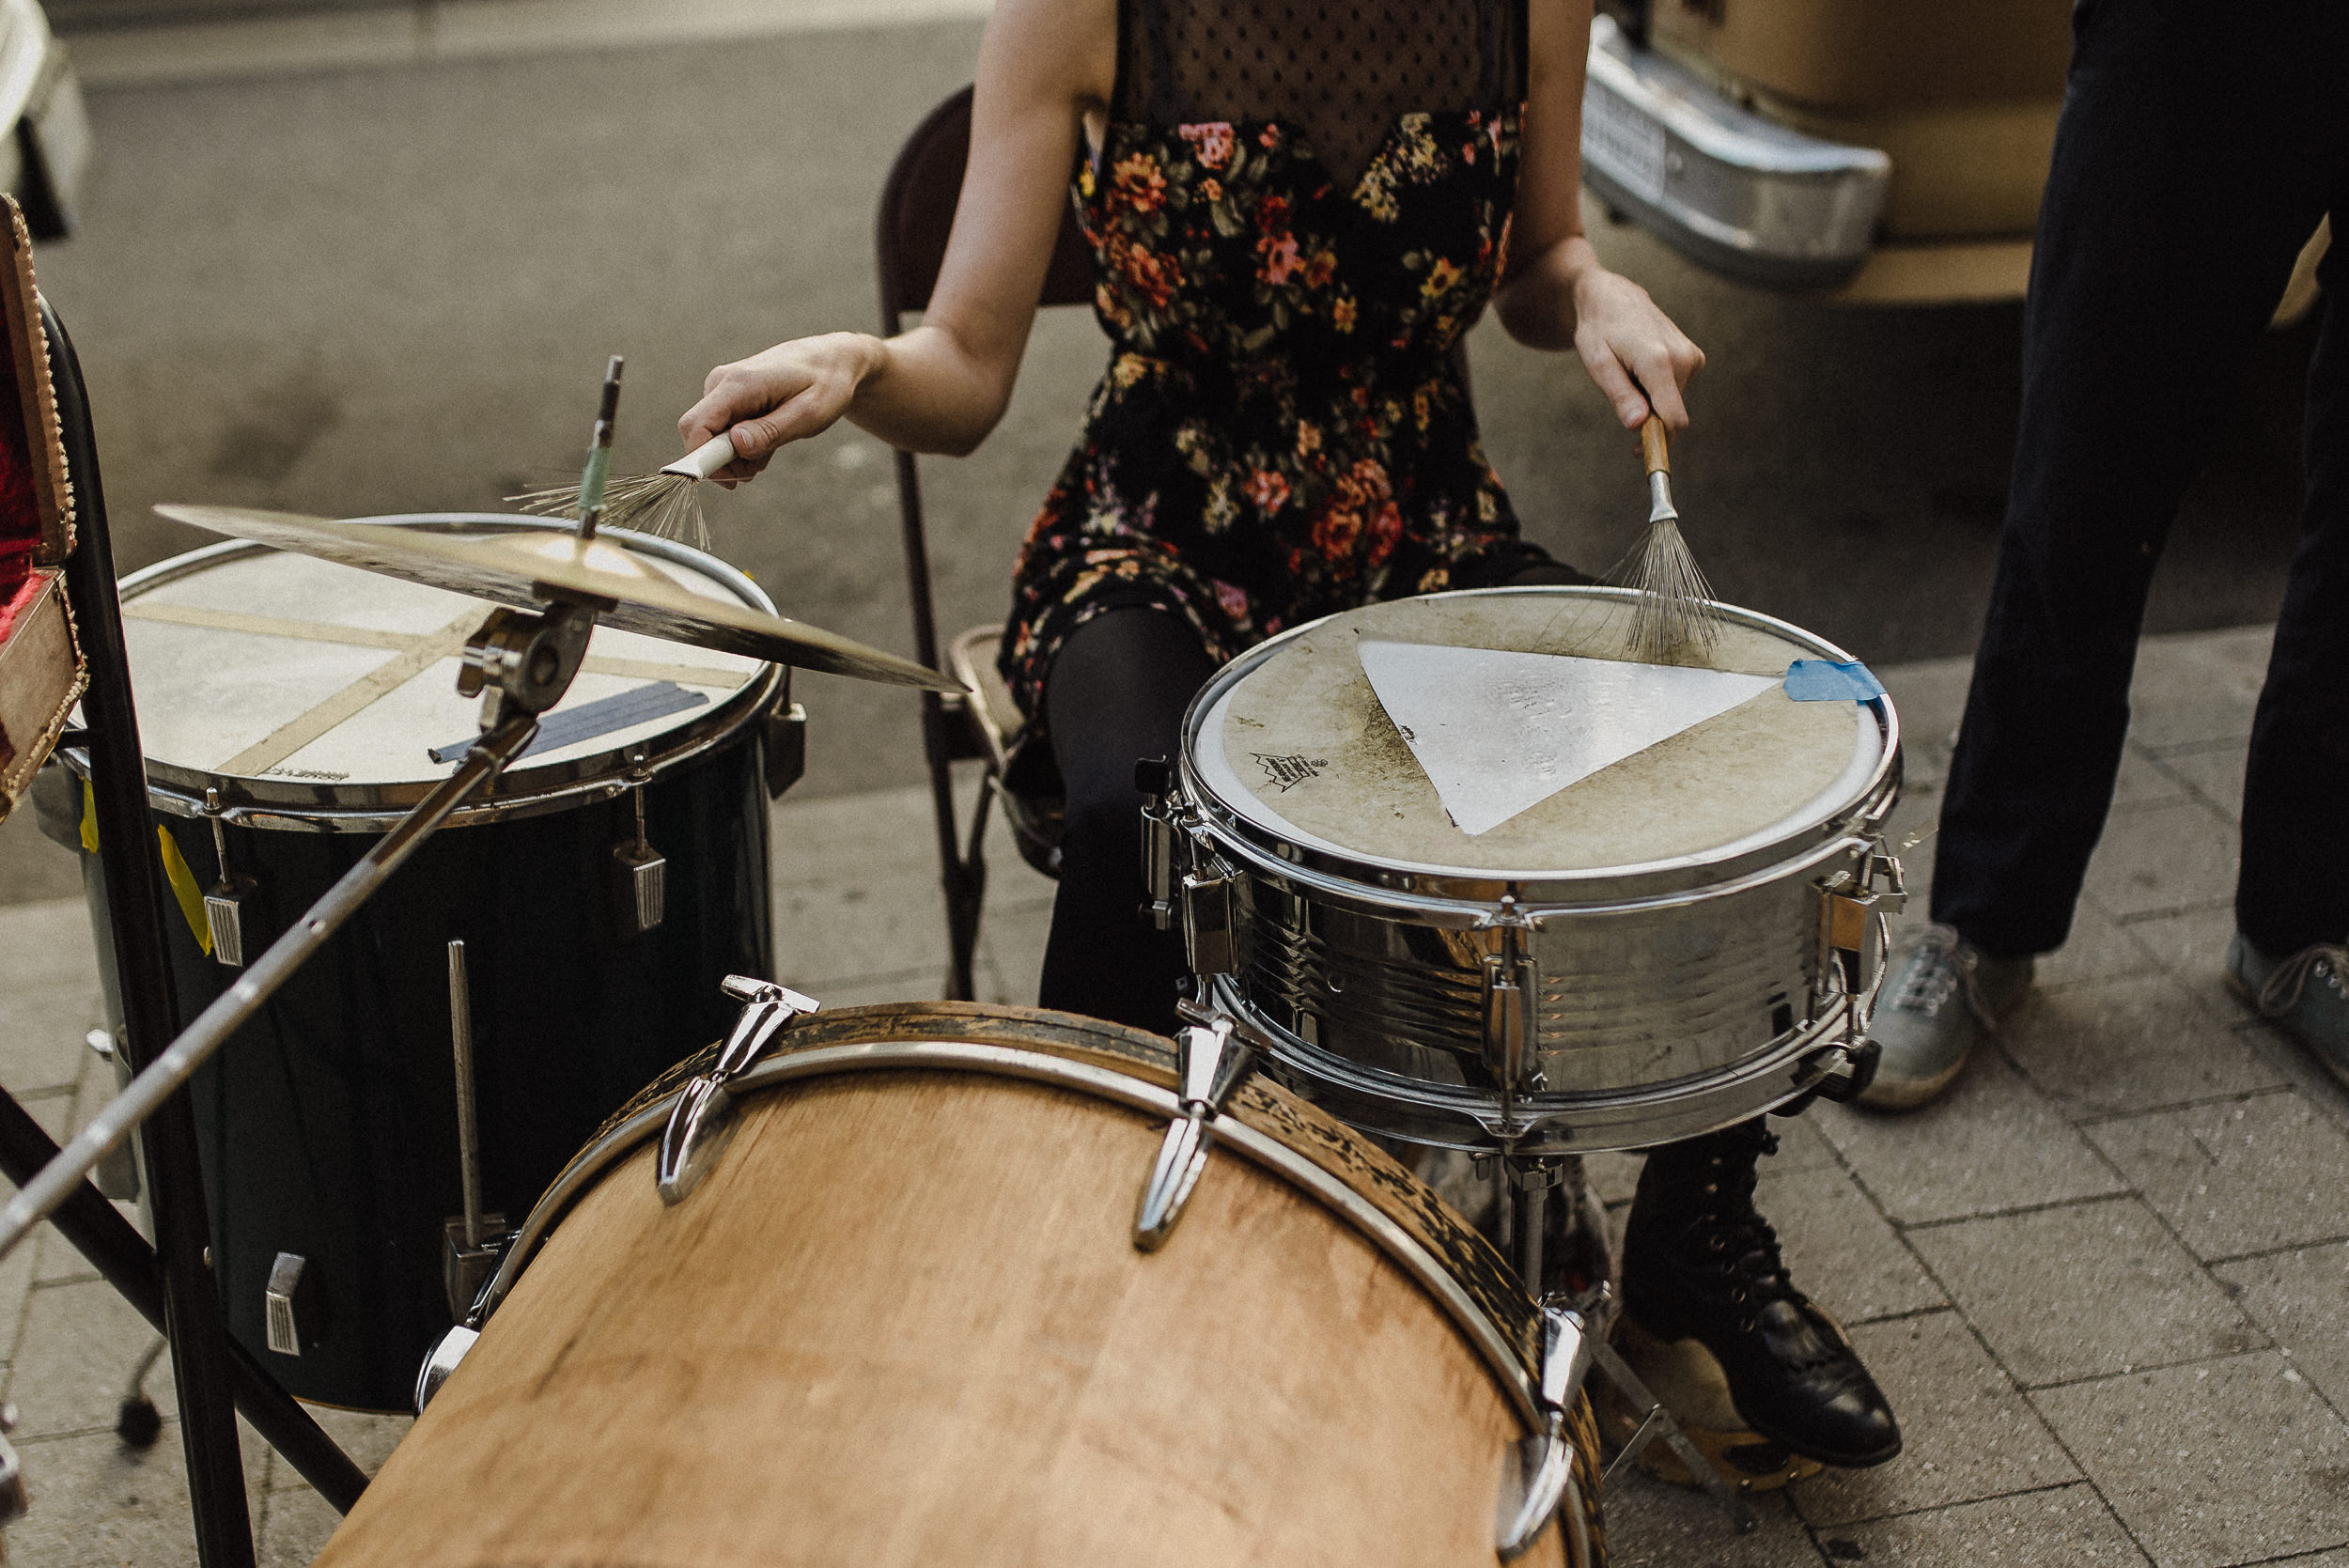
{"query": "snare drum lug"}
[(1511, 991), (1212, 1062), (701, 1123), (1851, 936), (1208, 916), (1155, 778)]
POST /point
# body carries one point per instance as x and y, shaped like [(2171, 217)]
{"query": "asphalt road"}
[(392, 290)]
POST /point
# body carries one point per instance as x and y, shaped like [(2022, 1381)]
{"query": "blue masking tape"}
[(1820, 680)]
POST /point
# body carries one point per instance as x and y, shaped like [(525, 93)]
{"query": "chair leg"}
[(974, 889), (963, 881)]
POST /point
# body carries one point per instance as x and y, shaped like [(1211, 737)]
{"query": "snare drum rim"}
[(1377, 879), (299, 806), (1503, 1358)]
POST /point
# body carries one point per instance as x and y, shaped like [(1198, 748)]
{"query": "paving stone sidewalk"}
[(2106, 1282)]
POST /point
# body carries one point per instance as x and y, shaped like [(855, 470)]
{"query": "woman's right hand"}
[(787, 392)]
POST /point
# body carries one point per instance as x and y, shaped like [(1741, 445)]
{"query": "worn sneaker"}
[(2308, 994), (1937, 999)]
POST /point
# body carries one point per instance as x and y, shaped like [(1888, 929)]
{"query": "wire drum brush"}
[(667, 505), (1674, 619)]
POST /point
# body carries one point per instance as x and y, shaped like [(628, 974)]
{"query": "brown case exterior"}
[(41, 680), (1877, 55), (28, 351)]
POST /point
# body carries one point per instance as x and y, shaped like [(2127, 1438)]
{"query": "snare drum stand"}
[(1529, 1184)]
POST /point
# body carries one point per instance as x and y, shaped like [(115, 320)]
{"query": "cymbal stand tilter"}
[(521, 663)]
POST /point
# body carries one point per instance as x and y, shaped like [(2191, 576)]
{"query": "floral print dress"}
[(1284, 431)]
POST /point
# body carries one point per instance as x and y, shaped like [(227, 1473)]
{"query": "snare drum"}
[(291, 710), (903, 1321), (1679, 939)]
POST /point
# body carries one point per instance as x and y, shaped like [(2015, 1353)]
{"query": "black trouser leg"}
[(2199, 146), (2293, 892), (1115, 695)]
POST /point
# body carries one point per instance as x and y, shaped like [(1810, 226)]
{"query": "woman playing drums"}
[(1295, 212)]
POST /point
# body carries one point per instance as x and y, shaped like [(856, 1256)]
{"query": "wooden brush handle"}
[(1653, 447)]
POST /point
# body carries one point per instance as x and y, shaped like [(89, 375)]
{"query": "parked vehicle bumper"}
[(1730, 189)]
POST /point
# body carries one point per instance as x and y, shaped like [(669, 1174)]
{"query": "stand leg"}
[(99, 1234), (200, 1360), (1657, 1422)]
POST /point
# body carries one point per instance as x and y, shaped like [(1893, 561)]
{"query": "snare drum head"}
[(1294, 741), (281, 677)]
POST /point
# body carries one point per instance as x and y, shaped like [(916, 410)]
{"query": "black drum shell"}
[(327, 1126)]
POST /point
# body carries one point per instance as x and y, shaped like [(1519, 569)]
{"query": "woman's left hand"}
[(1640, 360)]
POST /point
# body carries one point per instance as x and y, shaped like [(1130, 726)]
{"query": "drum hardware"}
[(1656, 1423), (1191, 884), (137, 1422), (292, 1310), (1682, 940), (1532, 1488), (1855, 929), (521, 664), (1211, 1065), (1510, 993), (14, 1500), (446, 1352), (574, 1010), (224, 906), (786, 744), (1270, 1137), (470, 1239), (639, 872), (703, 1120), (116, 1175)]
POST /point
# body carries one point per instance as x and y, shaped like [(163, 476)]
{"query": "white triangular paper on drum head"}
[(1498, 733)]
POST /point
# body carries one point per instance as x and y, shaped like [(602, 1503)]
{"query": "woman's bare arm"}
[(1043, 66), (1557, 295)]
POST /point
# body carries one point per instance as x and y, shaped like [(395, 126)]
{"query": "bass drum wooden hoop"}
[(903, 1321)]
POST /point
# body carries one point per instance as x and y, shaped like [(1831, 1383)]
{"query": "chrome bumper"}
[(1726, 188)]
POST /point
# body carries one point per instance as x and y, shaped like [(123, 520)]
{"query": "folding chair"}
[(917, 210)]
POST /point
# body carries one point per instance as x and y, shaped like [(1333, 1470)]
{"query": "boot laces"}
[(2325, 963), (1745, 1245), (1943, 967)]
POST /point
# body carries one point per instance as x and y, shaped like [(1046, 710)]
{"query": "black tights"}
[(1116, 695)]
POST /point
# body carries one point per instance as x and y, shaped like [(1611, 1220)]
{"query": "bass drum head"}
[(903, 1321), (1292, 741)]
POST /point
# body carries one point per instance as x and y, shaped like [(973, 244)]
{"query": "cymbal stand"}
[(521, 663)]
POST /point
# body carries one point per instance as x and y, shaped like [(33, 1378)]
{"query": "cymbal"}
[(531, 567)]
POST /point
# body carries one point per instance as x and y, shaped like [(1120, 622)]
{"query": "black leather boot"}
[(1700, 1262)]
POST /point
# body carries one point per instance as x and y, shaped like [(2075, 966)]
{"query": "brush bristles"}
[(666, 505), (1674, 617)]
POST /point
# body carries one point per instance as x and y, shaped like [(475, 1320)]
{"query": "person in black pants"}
[(2199, 147)]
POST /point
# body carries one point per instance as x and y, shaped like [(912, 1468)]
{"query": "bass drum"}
[(903, 1321)]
